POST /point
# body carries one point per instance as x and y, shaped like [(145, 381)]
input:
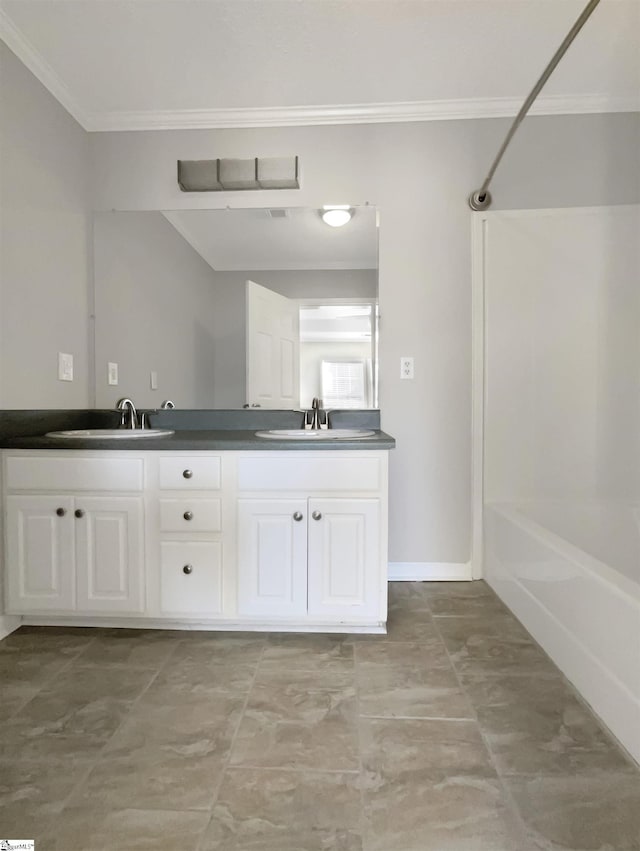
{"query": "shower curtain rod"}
[(481, 198)]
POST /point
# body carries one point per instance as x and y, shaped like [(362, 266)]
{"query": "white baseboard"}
[(8, 624), (429, 571)]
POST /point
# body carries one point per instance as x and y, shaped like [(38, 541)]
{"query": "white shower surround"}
[(557, 440)]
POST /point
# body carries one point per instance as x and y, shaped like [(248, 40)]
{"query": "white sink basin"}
[(313, 434), (110, 433)]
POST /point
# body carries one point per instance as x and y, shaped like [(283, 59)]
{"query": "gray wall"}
[(45, 244), (419, 175), (155, 309)]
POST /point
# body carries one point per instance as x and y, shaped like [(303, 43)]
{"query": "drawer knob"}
[(188, 515), (297, 515), (79, 512), (188, 569), (60, 512), (187, 474), (317, 515)]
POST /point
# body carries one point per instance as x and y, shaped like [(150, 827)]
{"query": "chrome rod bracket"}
[(480, 200)]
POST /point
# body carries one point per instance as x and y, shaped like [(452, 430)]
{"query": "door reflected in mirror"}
[(229, 308)]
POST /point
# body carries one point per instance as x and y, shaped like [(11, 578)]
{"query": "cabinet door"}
[(344, 558), (272, 557), (109, 554), (40, 554)]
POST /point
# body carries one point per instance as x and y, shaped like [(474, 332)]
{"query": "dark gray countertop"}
[(196, 440), (195, 430)]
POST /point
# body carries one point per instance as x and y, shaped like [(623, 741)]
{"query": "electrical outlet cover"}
[(65, 366)]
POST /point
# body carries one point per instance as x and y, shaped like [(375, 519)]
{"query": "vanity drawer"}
[(191, 578), (295, 473), (195, 515), (74, 474), (196, 472)]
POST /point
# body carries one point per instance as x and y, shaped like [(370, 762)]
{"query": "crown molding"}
[(300, 116), (366, 113), (29, 56)]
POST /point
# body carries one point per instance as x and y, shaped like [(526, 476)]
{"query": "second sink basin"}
[(110, 433), (313, 434)]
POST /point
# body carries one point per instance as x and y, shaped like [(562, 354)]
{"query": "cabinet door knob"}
[(60, 512), (188, 568), (297, 515), (79, 512), (187, 474), (188, 515), (317, 515)]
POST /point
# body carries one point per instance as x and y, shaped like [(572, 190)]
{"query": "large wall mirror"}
[(229, 308)]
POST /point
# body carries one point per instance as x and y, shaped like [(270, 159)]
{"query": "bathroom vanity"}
[(224, 537)]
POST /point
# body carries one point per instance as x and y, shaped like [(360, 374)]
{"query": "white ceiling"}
[(246, 240), (137, 64)]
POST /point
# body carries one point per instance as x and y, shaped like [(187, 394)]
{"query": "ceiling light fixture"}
[(336, 216)]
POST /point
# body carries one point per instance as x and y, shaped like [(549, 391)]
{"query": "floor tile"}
[(425, 655), (308, 653), (201, 727), (286, 811), (67, 641), (299, 720), (181, 776), (92, 829), (401, 692), (393, 748), (220, 648), (589, 812), (32, 793), (537, 726), (80, 711), (453, 732), (410, 596), (440, 811), (478, 588), (139, 647), (31, 667), (186, 681), (408, 624), (496, 644), (13, 696), (164, 757), (465, 605)]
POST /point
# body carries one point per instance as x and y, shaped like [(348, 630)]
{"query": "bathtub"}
[(571, 574)]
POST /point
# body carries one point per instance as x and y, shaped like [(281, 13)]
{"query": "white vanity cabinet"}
[(289, 540), (312, 537), (71, 547), (191, 533)]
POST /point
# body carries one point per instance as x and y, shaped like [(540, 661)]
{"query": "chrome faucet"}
[(319, 418), (129, 415)]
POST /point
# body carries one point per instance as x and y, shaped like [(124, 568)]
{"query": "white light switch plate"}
[(153, 380), (112, 373), (65, 366)]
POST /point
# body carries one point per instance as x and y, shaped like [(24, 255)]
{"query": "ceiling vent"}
[(278, 213), (234, 175)]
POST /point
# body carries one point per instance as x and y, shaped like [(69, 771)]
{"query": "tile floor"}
[(452, 733)]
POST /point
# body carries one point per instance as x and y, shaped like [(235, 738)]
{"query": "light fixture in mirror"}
[(337, 217), (173, 308)]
